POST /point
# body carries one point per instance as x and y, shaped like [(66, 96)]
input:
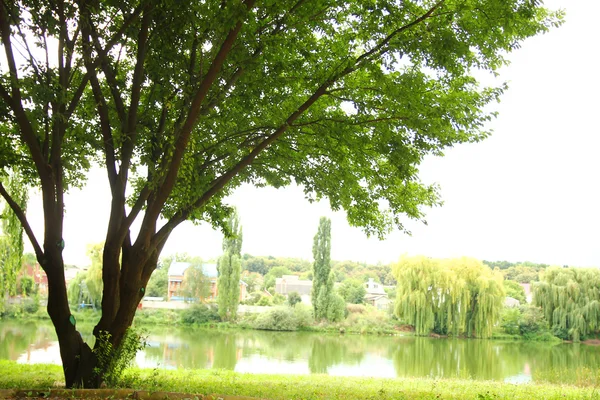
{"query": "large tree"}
[(454, 296), (182, 102), (570, 299), (230, 269)]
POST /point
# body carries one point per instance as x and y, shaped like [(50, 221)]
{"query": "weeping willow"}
[(570, 299), (454, 296)]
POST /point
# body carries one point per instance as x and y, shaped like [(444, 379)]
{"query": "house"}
[(38, 275), (376, 296), (176, 275), (511, 302), (292, 283)]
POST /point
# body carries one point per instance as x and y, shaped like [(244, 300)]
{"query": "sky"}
[(529, 192)]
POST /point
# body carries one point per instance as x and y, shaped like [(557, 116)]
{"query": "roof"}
[(373, 287), (178, 268)]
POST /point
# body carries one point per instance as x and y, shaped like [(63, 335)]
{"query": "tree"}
[(322, 288), (352, 291), (158, 283), (457, 296), (570, 300), (87, 286), (11, 237), (293, 299), (230, 269), (182, 102), (516, 291), (195, 286)]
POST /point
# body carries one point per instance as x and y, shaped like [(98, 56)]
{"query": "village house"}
[(292, 283), (376, 296), (176, 276)]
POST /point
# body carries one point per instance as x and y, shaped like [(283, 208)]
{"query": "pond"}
[(313, 353)]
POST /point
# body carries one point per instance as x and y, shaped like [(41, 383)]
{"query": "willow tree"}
[(454, 296), (570, 299), (11, 238), (180, 102)]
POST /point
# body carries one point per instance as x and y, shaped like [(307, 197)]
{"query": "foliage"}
[(283, 319), (11, 237), (532, 321), (200, 314), (230, 269), (322, 288), (510, 320), (516, 291), (158, 284), (570, 300), (345, 99), (26, 286), (87, 286), (336, 308), (195, 286), (352, 291), (113, 361), (454, 296), (264, 300), (293, 299)]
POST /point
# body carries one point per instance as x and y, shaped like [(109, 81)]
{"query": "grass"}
[(13, 375)]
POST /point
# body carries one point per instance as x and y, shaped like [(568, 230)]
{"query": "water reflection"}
[(310, 353)]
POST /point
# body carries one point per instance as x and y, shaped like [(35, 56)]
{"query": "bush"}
[(293, 299), (336, 309), (264, 301), (200, 314), (510, 320), (31, 306), (278, 319), (284, 319), (532, 321), (356, 308)]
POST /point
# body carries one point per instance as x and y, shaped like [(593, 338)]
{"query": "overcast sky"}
[(530, 192)]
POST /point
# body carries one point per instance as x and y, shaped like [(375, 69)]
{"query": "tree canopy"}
[(182, 102), (570, 299), (454, 296)]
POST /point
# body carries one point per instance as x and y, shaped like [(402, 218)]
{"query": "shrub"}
[(200, 314), (532, 321), (112, 362), (31, 305), (293, 299), (264, 301), (284, 318), (356, 308), (510, 320), (336, 308)]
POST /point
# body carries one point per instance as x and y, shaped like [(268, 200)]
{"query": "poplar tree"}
[(230, 269), (322, 288)]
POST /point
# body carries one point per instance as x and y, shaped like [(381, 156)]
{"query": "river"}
[(313, 353)]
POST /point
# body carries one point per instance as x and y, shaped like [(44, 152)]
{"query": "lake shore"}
[(42, 376)]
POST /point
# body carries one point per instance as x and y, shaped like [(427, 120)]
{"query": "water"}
[(312, 353)]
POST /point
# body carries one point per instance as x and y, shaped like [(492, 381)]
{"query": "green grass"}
[(14, 375)]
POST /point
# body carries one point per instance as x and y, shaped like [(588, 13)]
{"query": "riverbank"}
[(41, 376), (361, 320)]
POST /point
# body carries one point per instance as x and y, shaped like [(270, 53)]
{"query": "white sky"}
[(530, 192)]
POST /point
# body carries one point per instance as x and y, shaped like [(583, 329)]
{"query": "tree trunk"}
[(78, 360)]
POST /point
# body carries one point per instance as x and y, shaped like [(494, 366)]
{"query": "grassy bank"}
[(14, 375)]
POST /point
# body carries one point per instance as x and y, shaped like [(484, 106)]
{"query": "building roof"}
[(292, 283), (373, 287), (177, 268)]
